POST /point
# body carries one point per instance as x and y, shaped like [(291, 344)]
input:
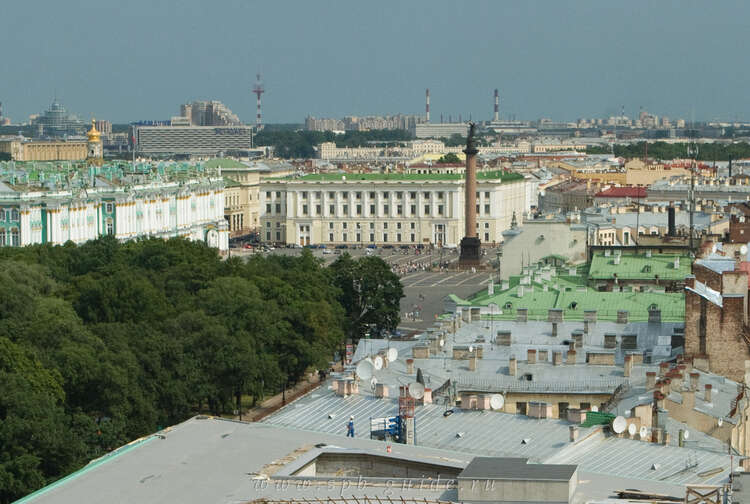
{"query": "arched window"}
[(15, 237), (14, 214), (110, 226), (508, 305), (653, 306), (573, 305)]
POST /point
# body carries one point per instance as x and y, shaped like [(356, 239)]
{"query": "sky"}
[(140, 59)]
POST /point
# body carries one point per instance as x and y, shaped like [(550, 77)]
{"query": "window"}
[(385, 209), (359, 225), (110, 227), (398, 225), (413, 195), (358, 195), (412, 237), (399, 195), (486, 209), (440, 209), (278, 236), (486, 237), (427, 209), (440, 195), (268, 224), (330, 225), (343, 225), (487, 194), (345, 195), (413, 210), (372, 209), (486, 225), (399, 209), (278, 224), (304, 209), (372, 237), (318, 194), (398, 237), (278, 208), (268, 208), (386, 195), (331, 194), (385, 237), (304, 194), (385, 225), (426, 195), (412, 226), (372, 225), (107, 208), (359, 209), (332, 209), (346, 209), (268, 236), (372, 195), (344, 237), (278, 194), (317, 209), (330, 237), (359, 237), (2, 214)]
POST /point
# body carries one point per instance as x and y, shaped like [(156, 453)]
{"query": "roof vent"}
[(526, 441)]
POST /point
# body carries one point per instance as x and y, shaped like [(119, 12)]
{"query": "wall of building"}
[(537, 240), (483, 490)]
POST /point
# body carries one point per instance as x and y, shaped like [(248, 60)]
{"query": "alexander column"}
[(470, 244)]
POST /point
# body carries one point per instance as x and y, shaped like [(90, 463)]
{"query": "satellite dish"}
[(594, 409), (377, 363), (471, 348), (743, 250), (373, 382), (685, 434), (632, 429), (619, 424), (365, 369), (720, 421), (416, 390), (442, 342), (392, 354), (497, 401), (643, 432)]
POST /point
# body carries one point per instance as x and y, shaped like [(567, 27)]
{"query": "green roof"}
[(570, 294), (231, 182), (639, 267), (500, 175), (597, 418), (224, 163)]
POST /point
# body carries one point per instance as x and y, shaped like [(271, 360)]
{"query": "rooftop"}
[(515, 468), (639, 267), (622, 192), (496, 175)]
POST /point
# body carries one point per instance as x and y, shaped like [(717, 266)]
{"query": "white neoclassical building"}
[(50, 206), (398, 209)]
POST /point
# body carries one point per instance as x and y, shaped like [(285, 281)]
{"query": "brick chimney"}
[(571, 358), (694, 377), (707, 393), (556, 358), (628, 366), (512, 366), (688, 399), (650, 379), (409, 366)]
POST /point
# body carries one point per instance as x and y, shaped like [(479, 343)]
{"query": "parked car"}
[(388, 246), (372, 246), (341, 246)]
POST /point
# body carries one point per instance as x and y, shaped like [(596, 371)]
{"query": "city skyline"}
[(140, 61)]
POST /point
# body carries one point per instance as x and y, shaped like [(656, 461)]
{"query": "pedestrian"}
[(350, 427)]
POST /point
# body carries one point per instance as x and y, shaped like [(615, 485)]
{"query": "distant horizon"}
[(559, 60)]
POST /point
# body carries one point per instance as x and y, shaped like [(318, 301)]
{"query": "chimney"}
[(556, 358), (676, 263), (427, 104), (707, 396), (522, 314), (688, 399), (497, 106), (628, 365), (622, 316), (663, 368), (531, 356), (554, 329), (409, 366), (541, 356), (650, 379), (573, 433), (512, 366), (586, 326), (659, 400), (571, 358), (671, 230), (473, 363)]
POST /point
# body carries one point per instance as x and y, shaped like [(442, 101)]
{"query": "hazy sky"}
[(140, 59)]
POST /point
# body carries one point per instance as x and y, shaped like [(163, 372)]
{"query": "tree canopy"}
[(300, 143), (667, 151), (105, 342), (449, 158)]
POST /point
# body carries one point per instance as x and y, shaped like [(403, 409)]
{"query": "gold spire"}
[(93, 134)]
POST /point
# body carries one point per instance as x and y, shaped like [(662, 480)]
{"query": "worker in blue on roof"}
[(350, 427)]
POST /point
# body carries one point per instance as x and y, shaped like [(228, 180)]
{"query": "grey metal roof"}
[(516, 469)]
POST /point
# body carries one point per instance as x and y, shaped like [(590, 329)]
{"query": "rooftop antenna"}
[(692, 151), (427, 105), (258, 90)]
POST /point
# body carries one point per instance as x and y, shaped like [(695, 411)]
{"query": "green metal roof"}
[(639, 267), (500, 175), (597, 418), (223, 163), (570, 294)]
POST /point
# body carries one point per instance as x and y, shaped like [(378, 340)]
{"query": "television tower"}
[(258, 90)]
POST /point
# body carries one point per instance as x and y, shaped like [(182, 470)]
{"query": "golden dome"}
[(93, 134)]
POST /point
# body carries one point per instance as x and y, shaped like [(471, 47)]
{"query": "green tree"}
[(449, 158), (370, 294)]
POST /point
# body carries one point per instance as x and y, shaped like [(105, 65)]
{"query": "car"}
[(322, 246), (341, 247), (404, 247), (310, 246), (248, 246), (327, 251), (388, 246), (372, 246)]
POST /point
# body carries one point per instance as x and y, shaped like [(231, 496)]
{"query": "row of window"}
[(358, 225), (372, 195), (9, 214), (10, 238)]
